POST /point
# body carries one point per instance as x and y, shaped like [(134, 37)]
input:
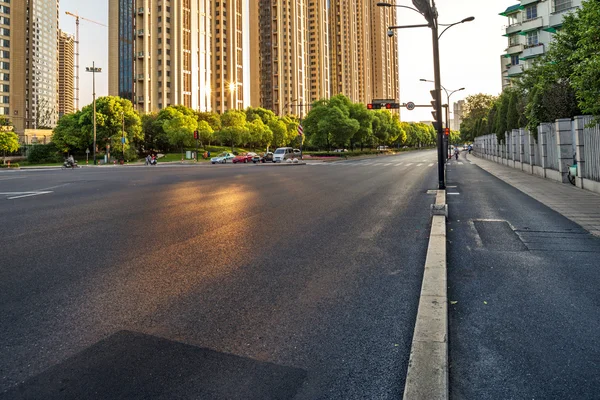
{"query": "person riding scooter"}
[(70, 162), (456, 152)]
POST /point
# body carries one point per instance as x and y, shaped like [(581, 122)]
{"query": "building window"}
[(562, 5), (532, 38), (531, 11), (514, 60)]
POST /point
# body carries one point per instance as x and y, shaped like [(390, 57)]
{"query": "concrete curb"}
[(427, 375)]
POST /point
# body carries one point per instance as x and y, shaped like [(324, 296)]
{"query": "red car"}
[(243, 158)]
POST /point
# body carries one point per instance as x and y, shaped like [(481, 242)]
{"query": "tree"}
[(259, 133), (68, 136), (512, 115), (278, 131), (363, 135), (112, 115), (213, 119), (9, 142), (339, 127), (502, 117), (233, 127), (180, 130), (476, 108), (381, 126), (205, 132)]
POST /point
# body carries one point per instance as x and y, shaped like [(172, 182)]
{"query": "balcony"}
[(515, 48), (140, 99), (527, 2), (533, 51), (531, 25), (140, 54), (140, 32), (141, 77), (512, 29), (140, 11), (515, 70)]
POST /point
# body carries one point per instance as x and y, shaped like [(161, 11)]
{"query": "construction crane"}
[(77, 18)]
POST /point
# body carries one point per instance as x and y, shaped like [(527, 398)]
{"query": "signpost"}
[(87, 155), (196, 136), (410, 106)]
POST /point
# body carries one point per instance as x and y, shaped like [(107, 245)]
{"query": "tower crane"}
[(77, 18)]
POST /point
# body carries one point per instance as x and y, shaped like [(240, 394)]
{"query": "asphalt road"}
[(524, 287), (224, 282)]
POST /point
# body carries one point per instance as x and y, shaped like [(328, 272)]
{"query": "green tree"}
[(279, 132), (205, 133), (502, 117), (363, 135), (213, 119), (112, 115), (233, 128), (339, 127), (260, 134), (180, 130), (68, 135), (9, 142)]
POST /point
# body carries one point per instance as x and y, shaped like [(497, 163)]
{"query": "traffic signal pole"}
[(438, 100)]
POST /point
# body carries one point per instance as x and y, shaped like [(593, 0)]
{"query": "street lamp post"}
[(94, 70), (428, 10)]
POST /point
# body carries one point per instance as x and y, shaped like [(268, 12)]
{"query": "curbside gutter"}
[(427, 375)]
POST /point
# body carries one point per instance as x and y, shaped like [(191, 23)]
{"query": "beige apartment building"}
[(160, 53), (319, 63), (66, 52), (29, 39), (364, 60)]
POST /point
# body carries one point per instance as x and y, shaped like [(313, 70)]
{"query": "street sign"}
[(87, 151), (123, 140), (410, 105)]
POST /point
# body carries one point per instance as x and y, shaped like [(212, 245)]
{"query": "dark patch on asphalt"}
[(130, 365), (498, 236), (559, 241)]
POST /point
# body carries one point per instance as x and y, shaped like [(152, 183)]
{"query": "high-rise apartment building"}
[(318, 50), (66, 51), (458, 110), (30, 33), (364, 60), (531, 25), (283, 50), (160, 53), (228, 55)]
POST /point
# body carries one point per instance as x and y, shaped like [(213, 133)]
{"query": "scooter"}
[(67, 164)]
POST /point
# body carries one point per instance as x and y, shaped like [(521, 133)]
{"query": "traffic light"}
[(390, 106), (196, 135), (434, 113), (374, 106), (447, 131)]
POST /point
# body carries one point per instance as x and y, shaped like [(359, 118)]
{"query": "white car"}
[(282, 154), (222, 158)]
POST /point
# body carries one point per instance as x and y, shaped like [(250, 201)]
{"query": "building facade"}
[(531, 25), (364, 60), (66, 51), (159, 53), (30, 33), (458, 110)]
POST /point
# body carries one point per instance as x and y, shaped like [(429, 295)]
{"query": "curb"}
[(279, 164), (427, 375)]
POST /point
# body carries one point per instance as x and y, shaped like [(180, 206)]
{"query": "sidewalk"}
[(578, 205)]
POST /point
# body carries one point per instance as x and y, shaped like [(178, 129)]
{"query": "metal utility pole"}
[(123, 133), (438, 97), (77, 18), (93, 70)]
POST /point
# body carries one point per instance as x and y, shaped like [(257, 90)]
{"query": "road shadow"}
[(130, 365)]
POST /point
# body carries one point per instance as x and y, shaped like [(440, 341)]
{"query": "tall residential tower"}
[(66, 46), (30, 34)]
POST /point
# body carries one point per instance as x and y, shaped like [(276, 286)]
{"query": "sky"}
[(469, 52)]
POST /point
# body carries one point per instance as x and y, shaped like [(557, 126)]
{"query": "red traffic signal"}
[(369, 106), (447, 131), (196, 135)]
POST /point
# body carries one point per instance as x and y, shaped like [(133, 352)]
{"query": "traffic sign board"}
[(410, 105)]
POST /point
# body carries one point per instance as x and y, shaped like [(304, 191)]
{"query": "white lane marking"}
[(409, 164), (29, 194), (430, 165), (386, 164), (399, 164), (12, 177), (418, 165), (452, 193), (377, 164), (459, 163), (451, 186)]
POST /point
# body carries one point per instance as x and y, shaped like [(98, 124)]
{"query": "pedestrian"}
[(205, 155), (208, 155)]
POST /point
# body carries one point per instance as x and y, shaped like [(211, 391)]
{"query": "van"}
[(284, 153), (382, 148)]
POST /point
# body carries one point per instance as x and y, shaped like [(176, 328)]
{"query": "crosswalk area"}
[(374, 163), (382, 164)]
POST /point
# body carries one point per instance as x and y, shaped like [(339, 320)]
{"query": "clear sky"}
[(469, 53)]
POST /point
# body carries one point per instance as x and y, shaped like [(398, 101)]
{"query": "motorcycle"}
[(70, 165)]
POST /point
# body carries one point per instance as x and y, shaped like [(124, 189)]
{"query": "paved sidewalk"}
[(578, 205)]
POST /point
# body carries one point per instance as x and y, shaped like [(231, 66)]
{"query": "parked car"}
[(285, 153), (382, 148), (222, 158), (243, 158), (263, 157), (340, 150)]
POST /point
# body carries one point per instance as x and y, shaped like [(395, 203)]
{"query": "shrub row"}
[(12, 165)]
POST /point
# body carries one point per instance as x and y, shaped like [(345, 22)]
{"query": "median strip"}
[(427, 375)]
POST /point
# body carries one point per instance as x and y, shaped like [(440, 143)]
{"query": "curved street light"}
[(468, 19), (428, 10)]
